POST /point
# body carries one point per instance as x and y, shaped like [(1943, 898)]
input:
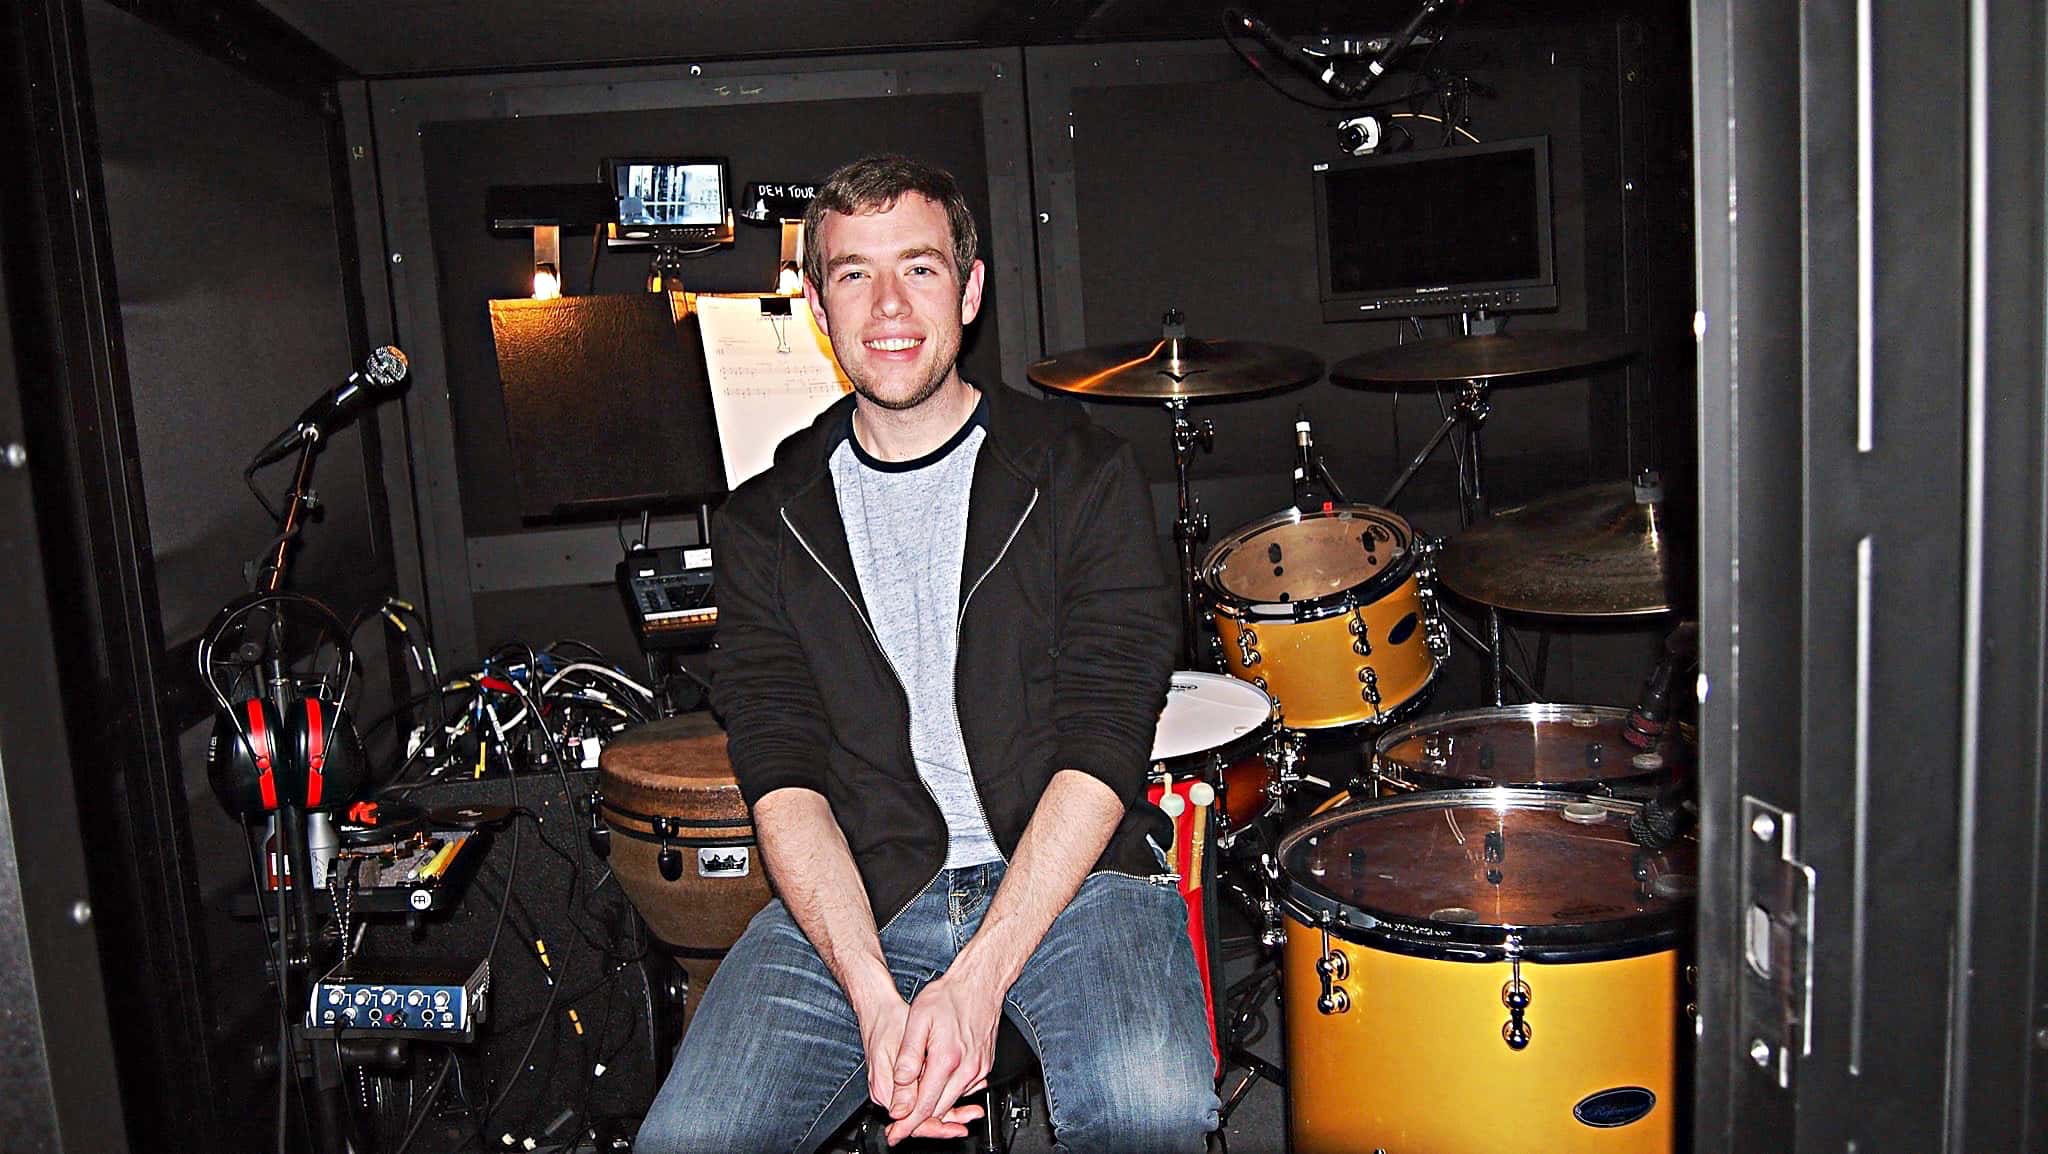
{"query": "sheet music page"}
[(770, 376)]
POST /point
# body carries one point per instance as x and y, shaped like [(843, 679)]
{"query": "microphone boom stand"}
[(330, 1129)]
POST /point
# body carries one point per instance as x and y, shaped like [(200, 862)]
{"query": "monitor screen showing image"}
[(666, 199)]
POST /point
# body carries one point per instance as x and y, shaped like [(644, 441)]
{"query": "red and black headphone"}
[(307, 753)]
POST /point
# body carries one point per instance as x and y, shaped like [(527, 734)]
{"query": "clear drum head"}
[(1482, 873), (1293, 558), (1554, 746)]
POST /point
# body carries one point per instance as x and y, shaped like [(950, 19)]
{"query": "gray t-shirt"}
[(906, 525)]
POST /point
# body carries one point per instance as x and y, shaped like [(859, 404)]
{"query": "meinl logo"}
[(722, 863)]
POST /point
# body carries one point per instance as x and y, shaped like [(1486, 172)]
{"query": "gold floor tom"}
[(1471, 971), (1331, 612)]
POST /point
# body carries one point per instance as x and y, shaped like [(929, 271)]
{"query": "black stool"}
[(1006, 1102)]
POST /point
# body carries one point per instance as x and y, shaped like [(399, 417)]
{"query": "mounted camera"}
[(1359, 136)]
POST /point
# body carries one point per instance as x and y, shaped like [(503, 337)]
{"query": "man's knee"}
[(1128, 1112)]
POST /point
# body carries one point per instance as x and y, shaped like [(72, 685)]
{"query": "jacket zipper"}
[(898, 675), (959, 626)]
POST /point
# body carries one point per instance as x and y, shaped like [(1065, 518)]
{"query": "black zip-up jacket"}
[(1067, 635)]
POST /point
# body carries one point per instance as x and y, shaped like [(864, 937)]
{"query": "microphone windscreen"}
[(387, 366)]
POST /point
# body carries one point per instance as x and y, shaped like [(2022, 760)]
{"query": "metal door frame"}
[(1872, 529)]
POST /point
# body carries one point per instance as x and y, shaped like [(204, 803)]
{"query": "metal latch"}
[(1777, 940)]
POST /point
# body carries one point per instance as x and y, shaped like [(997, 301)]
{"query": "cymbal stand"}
[(1465, 417), (1190, 524)]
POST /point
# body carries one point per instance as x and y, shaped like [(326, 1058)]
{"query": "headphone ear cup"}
[(330, 767), (243, 758)]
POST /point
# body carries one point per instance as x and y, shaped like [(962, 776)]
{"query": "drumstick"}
[(1173, 805), (1203, 795)]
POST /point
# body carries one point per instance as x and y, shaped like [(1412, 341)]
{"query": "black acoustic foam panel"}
[(607, 405)]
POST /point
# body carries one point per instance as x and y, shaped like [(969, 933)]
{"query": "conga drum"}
[(1582, 748), (681, 842), (1471, 971)]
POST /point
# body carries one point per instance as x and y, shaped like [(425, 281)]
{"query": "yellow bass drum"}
[(1478, 971)]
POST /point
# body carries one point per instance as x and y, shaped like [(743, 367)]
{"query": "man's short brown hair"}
[(875, 184)]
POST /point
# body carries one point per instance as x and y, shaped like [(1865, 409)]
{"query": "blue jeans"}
[(1111, 1001)]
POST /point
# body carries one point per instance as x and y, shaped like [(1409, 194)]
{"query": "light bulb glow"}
[(547, 284)]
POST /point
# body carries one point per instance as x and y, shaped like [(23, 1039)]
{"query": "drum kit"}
[(1495, 898), (1499, 892)]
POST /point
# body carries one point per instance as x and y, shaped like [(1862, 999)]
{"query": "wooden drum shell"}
[(663, 775)]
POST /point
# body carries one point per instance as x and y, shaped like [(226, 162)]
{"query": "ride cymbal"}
[(1175, 367), (1493, 357), (1591, 552)]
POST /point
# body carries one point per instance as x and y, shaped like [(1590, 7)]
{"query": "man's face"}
[(892, 302)]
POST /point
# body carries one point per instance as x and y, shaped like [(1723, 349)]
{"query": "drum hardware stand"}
[(1469, 413), (1190, 524), (1440, 622)]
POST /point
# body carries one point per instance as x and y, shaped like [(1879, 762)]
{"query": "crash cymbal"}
[(1592, 552), (1175, 367), (1494, 357)]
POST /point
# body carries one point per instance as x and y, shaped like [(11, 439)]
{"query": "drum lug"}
[(600, 834), (669, 859), (1362, 645), (1247, 647), (1369, 680), (1275, 933), (1515, 996), (1332, 967)]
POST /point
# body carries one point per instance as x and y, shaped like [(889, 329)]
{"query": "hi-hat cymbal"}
[(1491, 357), (1177, 367), (1591, 552)]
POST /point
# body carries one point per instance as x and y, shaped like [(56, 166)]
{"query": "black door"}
[(1870, 182)]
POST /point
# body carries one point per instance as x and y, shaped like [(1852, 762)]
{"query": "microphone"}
[(1645, 726), (1666, 817), (1305, 497), (1402, 39), (1324, 70), (339, 405)]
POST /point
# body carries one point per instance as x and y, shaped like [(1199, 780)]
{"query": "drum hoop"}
[(680, 841), (1542, 711), (1472, 942), (1363, 593), (1595, 788), (650, 818), (1469, 941)]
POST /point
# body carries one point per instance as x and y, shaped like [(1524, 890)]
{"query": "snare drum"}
[(1218, 729), (1573, 747), (1329, 612), (681, 842), (1479, 970)]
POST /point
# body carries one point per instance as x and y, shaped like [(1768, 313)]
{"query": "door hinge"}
[(1777, 941)]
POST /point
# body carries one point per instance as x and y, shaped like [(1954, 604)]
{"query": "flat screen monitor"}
[(1459, 229), (670, 200)]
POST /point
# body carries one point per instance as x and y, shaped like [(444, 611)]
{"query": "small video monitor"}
[(1438, 231), (670, 200)]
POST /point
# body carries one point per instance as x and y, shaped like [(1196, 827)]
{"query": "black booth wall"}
[(1161, 176), (230, 276)]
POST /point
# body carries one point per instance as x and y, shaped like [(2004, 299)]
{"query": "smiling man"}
[(945, 637)]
